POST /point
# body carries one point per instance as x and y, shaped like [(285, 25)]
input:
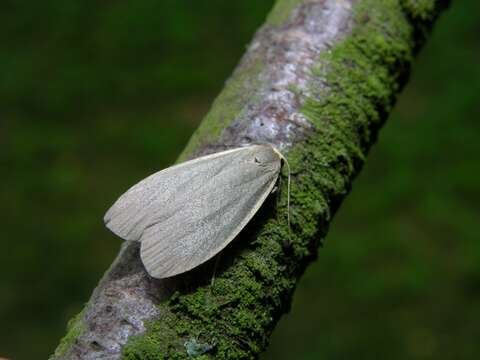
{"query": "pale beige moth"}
[(187, 213)]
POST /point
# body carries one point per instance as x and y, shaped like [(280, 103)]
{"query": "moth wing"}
[(201, 219), (146, 202)]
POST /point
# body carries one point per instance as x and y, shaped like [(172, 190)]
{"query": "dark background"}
[(95, 95)]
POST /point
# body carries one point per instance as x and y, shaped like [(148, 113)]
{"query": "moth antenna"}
[(288, 196), (288, 188)]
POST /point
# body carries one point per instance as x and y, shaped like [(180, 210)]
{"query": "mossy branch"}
[(317, 81)]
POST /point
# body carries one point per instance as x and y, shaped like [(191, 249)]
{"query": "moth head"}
[(267, 155)]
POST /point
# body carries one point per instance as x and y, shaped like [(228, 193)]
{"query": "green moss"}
[(423, 13), (363, 73), (75, 328), (233, 302), (360, 79), (281, 11), (421, 9)]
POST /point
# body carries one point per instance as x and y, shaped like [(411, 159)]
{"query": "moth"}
[(187, 213)]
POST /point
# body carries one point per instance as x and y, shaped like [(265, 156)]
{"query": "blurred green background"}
[(95, 95)]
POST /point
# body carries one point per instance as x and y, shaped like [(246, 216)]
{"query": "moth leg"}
[(217, 260)]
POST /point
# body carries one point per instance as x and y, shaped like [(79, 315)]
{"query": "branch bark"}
[(317, 81)]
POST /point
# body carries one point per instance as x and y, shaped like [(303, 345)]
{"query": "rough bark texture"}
[(318, 81)]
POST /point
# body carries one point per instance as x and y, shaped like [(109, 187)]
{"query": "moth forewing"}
[(130, 214), (187, 213)]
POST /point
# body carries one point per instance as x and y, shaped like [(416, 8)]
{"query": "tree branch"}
[(317, 81)]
